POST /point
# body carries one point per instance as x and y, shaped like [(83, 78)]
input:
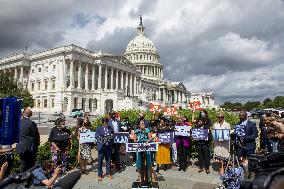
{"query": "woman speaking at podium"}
[(142, 135)]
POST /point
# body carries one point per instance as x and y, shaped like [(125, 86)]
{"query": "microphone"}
[(68, 181)]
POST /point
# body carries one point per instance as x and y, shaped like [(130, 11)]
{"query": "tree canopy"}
[(9, 87), (277, 102)]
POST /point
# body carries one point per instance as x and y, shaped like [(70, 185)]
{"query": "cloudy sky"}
[(233, 48)]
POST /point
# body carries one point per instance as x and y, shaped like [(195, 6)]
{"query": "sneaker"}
[(110, 177)]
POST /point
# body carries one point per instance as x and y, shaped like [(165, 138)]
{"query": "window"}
[(32, 86), (38, 103), (33, 71), (39, 69), (38, 85), (46, 69), (53, 84), (52, 102), (45, 103), (45, 84), (54, 66)]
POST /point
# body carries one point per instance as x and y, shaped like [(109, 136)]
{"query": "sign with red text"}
[(170, 111), (155, 108), (195, 105)]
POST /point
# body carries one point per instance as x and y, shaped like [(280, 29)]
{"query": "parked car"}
[(256, 113), (55, 116), (77, 113)]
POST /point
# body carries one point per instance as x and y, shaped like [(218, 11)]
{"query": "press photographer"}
[(268, 168)]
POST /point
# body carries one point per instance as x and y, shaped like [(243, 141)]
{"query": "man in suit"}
[(116, 127), (104, 145), (250, 135), (28, 142)]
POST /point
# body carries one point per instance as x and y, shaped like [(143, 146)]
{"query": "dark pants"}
[(116, 155), (203, 156), (105, 153), (182, 153), (27, 161)]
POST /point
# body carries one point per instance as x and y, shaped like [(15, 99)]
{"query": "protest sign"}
[(240, 130), (141, 147), (87, 137), (221, 134), (182, 130), (155, 108), (170, 111), (199, 134), (195, 105), (121, 137), (166, 137)]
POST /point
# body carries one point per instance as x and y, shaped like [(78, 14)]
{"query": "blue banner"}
[(10, 121)]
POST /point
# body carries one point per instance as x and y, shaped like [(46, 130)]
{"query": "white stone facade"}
[(69, 77), (206, 99)]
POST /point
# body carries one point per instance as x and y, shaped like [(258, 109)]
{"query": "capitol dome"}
[(142, 52), (141, 44)]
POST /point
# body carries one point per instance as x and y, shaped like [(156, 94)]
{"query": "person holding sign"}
[(84, 148), (104, 144), (182, 143), (142, 135), (59, 138), (163, 154), (221, 146), (203, 147)]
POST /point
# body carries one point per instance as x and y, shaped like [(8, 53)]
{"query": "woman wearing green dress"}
[(142, 135)]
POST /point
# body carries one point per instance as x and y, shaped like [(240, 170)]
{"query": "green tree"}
[(10, 87), (251, 105), (278, 102)]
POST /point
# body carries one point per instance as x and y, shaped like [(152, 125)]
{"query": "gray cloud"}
[(234, 48)]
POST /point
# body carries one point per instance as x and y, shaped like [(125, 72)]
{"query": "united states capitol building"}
[(68, 77)]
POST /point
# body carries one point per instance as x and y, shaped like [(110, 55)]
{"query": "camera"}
[(268, 169)]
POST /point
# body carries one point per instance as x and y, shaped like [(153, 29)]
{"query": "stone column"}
[(111, 78), (126, 81), (135, 85), (116, 79), (21, 74), (106, 77), (122, 80), (130, 84), (16, 74), (70, 104), (79, 75), (100, 77), (71, 76), (93, 77), (87, 77)]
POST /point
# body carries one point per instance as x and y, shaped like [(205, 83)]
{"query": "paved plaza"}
[(170, 179)]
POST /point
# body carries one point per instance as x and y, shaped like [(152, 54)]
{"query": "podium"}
[(143, 148)]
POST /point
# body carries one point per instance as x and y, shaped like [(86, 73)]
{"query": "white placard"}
[(87, 137), (182, 130)]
